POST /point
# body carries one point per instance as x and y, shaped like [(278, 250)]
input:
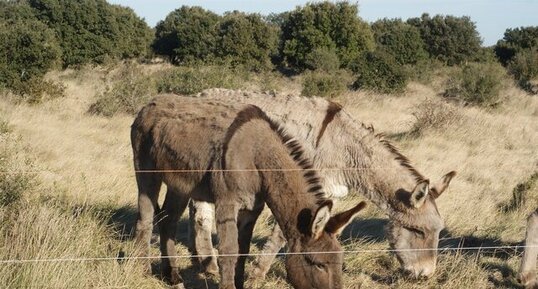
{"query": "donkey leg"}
[(527, 270), (245, 227), (148, 193), (262, 263), (173, 207), (226, 216), (202, 216)]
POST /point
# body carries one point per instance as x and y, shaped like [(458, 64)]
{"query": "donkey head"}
[(316, 257), (413, 232)]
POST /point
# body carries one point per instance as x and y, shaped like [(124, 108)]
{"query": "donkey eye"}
[(320, 267), (416, 231)]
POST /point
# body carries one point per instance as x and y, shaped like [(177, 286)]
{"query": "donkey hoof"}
[(212, 268)]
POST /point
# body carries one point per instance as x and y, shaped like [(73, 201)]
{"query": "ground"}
[(84, 202)]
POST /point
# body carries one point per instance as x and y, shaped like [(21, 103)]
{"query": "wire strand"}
[(19, 261)]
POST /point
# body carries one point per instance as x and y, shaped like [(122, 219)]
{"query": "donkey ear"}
[(338, 222), (420, 193), (322, 216), (442, 184)]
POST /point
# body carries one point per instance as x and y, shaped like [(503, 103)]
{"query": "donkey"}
[(237, 158), (350, 155), (527, 269)]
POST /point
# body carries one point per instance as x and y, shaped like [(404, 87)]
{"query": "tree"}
[(93, 31), (247, 39), (515, 41), (187, 34), (28, 49), (324, 25), (450, 39), (400, 39)]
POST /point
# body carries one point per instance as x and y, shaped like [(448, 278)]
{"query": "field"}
[(78, 190)]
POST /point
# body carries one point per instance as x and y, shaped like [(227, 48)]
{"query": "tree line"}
[(39, 35)]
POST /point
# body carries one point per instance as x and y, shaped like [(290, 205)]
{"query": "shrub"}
[(452, 40), (320, 83), (326, 25), (94, 31), (190, 80), (36, 90), (27, 50), (514, 41), (246, 39), (400, 39), (477, 83), (433, 114), (128, 94), (524, 68), (322, 59), (380, 72), (187, 34)]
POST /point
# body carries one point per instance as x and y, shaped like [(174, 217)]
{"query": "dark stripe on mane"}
[(332, 110), (403, 160), (295, 149)]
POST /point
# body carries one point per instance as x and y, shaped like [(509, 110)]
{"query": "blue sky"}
[(492, 17)]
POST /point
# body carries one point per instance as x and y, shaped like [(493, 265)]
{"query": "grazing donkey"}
[(350, 156), (527, 270), (226, 154)]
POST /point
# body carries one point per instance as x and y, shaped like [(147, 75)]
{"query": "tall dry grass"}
[(84, 203)]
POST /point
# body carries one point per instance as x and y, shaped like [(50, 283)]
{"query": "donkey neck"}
[(292, 194)]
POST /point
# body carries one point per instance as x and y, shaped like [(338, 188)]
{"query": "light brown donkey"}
[(350, 156), (237, 158), (527, 270)]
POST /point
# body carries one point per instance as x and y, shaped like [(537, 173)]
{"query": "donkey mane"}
[(294, 148), (403, 160)]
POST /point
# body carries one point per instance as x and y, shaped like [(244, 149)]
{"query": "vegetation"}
[(452, 40), (400, 39), (524, 68), (321, 83), (380, 72), (186, 35), (94, 31), (514, 41), (477, 83), (324, 25)]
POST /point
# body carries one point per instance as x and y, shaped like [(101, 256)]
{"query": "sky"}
[(492, 17)]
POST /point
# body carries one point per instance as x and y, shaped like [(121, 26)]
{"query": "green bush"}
[(326, 25), (380, 72), (94, 31), (514, 41), (37, 90), (452, 40), (187, 34), (524, 68), (322, 59), (477, 83), (246, 39), (324, 84), (190, 80), (28, 49), (128, 94), (399, 39)]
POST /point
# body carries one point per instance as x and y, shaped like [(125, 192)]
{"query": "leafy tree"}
[(450, 39), (27, 50), (246, 39), (379, 71), (400, 39), (187, 34), (93, 30), (331, 26), (514, 41)]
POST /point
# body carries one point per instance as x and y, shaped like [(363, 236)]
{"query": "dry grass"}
[(87, 184)]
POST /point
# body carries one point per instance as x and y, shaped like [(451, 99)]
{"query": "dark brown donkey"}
[(226, 154)]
